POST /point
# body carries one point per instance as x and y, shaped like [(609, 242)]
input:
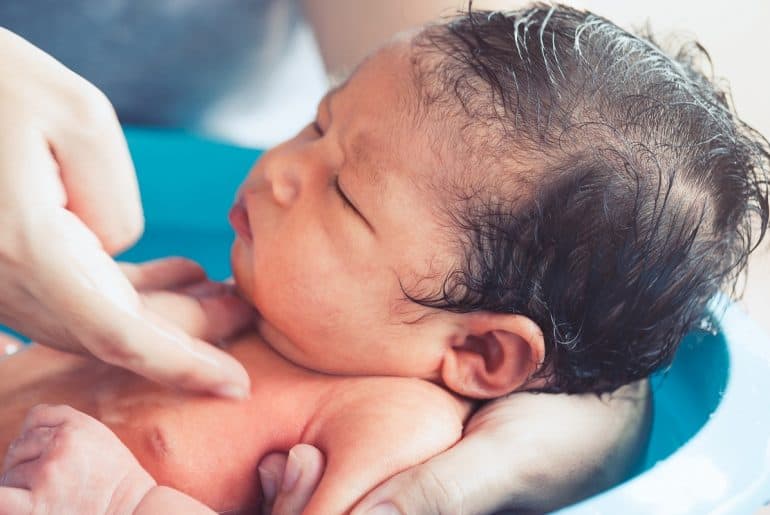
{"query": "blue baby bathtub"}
[(709, 450)]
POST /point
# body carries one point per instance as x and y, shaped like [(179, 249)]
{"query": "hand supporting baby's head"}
[(535, 199)]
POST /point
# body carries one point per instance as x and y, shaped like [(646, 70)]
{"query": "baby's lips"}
[(239, 219)]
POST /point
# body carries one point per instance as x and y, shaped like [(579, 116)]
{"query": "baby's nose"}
[(283, 183)]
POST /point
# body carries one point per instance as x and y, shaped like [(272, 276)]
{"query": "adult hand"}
[(528, 452), (69, 199), (177, 290)]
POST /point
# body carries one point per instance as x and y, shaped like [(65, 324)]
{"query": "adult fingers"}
[(270, 470), (83, 285), (66, 137), (96, 170), (68, 194), (303, 471), (163, 274), (214, 315), (463, 479), (15, 500), (516, 453), (178, 291), (175, 358)]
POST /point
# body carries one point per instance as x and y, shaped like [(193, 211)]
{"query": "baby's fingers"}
[(27, 447), (47, 415), (163, 274), (209, 311), (23, 475), (15, 500)]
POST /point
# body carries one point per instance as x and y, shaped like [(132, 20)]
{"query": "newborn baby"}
[(534, 200)]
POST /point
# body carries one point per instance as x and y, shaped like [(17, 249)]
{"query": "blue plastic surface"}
[(724, 468), (188, 185)]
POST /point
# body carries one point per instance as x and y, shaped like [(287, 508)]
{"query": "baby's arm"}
[(64, 461)]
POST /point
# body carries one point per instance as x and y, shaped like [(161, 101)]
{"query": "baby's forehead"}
[(381, 107), (400, 120)]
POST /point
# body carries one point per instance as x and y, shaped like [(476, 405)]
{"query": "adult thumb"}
[(463, 479)]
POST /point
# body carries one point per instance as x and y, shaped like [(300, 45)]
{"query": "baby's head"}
[(534, 199)]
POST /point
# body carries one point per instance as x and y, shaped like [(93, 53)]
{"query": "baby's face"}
[(331, 223)]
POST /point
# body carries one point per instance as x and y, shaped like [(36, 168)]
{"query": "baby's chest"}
[(210, 448)]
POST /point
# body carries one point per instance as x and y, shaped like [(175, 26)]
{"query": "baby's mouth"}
[(239, 219)]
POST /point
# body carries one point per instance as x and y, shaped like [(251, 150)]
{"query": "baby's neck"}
[(280, 343), (283, 346)]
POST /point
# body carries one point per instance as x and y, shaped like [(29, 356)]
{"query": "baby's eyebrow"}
[(360, 153)]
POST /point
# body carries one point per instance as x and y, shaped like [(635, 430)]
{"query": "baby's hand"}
[(66, 462)]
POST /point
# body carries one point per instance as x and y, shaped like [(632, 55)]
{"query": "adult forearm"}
[(348, 30)]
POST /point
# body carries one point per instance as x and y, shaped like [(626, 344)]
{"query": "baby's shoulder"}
[(386, 407), (392, 393), (371, 428)]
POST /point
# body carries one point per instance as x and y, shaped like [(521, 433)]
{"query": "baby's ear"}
[(492, 355)]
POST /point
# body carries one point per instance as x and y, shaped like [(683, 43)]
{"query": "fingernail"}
[(385, 508), (269, 484), (292, 472), (232, 391)]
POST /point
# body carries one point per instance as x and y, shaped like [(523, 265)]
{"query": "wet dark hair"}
[(612, 190)]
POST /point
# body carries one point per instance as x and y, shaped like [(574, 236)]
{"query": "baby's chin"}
[(240, 263)]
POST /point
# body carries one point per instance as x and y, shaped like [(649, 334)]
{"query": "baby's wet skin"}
[(183, 440), (210, 448)]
